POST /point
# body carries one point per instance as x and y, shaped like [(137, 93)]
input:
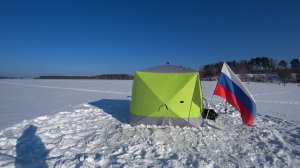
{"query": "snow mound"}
[(87, 136)]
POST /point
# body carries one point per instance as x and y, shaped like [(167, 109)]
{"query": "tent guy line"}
[(64, 88)]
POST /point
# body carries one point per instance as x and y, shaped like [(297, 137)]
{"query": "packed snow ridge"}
[(97, 135)]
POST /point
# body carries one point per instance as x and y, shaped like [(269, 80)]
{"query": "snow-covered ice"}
[(86, 125), (27, 99)]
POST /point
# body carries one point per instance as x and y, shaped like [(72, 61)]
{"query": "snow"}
[(74, 123), (27, 99)]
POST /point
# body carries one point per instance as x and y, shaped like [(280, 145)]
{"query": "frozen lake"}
[(82, 123), (27, 99)]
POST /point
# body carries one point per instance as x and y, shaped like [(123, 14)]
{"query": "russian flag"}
[(231, 88)]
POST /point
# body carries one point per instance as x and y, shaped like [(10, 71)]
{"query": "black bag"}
[(212, 115)]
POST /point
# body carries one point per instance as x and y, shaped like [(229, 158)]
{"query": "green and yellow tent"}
[(166, 95)]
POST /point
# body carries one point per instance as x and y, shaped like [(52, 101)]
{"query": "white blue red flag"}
[(231, 88)]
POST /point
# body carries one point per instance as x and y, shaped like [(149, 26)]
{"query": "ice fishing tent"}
[(166, 95)]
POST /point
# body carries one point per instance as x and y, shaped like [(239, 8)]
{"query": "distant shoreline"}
[(4, 77), (103, 76)]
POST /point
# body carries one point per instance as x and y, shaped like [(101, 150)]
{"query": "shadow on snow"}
[(30, 150), (119, 109)]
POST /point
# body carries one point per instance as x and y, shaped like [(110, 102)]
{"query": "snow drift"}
[(87, 136)]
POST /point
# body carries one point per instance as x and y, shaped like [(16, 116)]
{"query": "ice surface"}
[(27, 99), (78, 123)]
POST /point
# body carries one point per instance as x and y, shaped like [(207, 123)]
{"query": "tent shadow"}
[(30, 150), (119, 109)]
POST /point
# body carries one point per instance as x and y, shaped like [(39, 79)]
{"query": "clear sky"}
[(120, 36)]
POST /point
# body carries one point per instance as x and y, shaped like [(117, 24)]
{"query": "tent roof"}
[(168, 69)]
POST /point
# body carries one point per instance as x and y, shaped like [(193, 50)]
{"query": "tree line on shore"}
[(103, 76), (287, 70)]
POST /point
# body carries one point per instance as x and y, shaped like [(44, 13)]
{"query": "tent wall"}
[(166, 99)]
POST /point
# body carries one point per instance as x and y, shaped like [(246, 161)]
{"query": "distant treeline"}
[(287, 71), (7, 77), (113, 76), (104, 76)]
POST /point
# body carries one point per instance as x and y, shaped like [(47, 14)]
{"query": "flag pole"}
[(211, 101), (209, 108)]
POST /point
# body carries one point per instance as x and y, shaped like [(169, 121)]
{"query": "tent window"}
[(181, 101)]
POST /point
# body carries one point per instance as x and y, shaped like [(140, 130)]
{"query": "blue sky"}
[(95, 37)]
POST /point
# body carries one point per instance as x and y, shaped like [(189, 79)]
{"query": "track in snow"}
[(65, 88)]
